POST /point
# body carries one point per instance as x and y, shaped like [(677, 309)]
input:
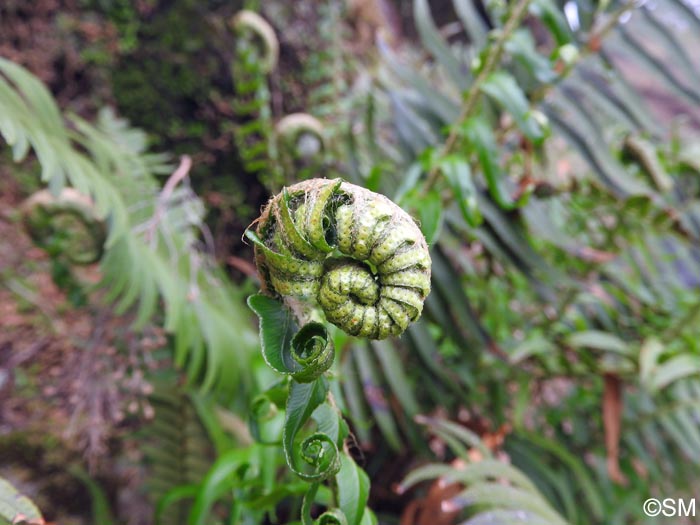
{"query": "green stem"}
[(306, 518), (492, 61), (593, 44)]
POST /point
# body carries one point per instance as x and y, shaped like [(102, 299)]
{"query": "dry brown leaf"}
[(612, 416)]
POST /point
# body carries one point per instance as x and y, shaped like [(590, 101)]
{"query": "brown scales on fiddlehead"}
[(360, 255)]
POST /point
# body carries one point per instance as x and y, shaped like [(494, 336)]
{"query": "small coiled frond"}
[(255, 57), (300, 135), (375, 288), (303, 354), (301, 144), (255, 29), (65, 225)]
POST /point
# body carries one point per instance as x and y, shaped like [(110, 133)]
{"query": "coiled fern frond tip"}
[(249, 24), (66, 223), (360, 255)]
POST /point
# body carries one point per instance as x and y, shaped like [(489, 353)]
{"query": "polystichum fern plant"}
[(367, 264), (151, 249), (488, 163)]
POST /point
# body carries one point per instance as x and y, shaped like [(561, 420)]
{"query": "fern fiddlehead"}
[(301, 144), (376, 286), (65, 225), (256, 54), (258, 33)]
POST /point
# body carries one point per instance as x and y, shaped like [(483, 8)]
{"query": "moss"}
[(174, 59), (168, 77), (172, 79)]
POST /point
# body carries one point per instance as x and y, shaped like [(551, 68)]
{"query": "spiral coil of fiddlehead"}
[(256, 32), (301, 144), (255, 57), (375, 288), (303, 355), (66, 225)]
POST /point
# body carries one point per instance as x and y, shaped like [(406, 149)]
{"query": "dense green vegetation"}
[(549, 156)]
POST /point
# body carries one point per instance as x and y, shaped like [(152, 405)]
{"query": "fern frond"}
[(490, 490), (255, 57), (151, 250), (177, 450)]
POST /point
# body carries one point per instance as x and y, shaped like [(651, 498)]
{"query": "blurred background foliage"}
[(549, 151)]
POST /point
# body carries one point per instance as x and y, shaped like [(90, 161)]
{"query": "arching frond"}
[(153, 256)]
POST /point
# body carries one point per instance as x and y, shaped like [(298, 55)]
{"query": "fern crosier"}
[(255, 57), (301, 144), (65, 225), (360, 255)]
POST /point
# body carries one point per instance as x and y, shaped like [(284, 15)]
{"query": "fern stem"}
[(178, 175), (593, 45), (493, 59), (491, 62)]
